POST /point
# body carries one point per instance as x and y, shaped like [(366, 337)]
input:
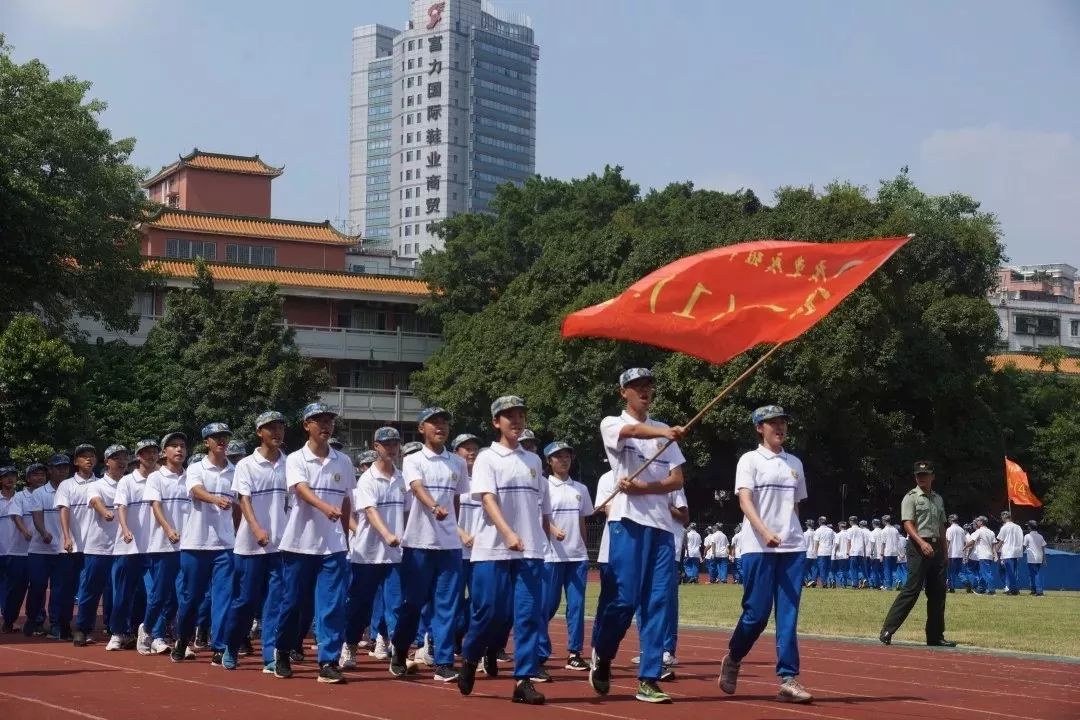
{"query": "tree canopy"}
[(69, 202), (897, 373)]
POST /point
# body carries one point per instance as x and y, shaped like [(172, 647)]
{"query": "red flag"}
[(1016, 481), (722, 302)]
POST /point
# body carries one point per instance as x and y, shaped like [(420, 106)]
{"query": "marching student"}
[(605, 486), (258, 572), (857, 551), (824, 539), (314, 545), (890, 547), (566, 562), (44, 567), (1035, 549), (770, 483), (9, 535), (206, 545), (678, 514), (470, 517), (710, 553), (692, 561), (431, 559), (901, 564), (876, 564), (1010, 546), (955, 539), (21, 528), (131, 576), (75, 519), (720, 541), (235, 452), (508, 553), (983, 541), (736, 553), (95, 583), (642, 554), (841, 562), (166, 491), (377, 523), (811, 553)]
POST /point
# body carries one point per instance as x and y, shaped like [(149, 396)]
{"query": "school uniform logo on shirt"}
[(336, 477), (532, 473)]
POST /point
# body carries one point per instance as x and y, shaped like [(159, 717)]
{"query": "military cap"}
[(638, 373), (34, 467), (315, 409), (924, 467), (368, 457), (59, 459), (462, 439), (270, 416), (215, 428), (1032, 524), (234, 448), (410, 447), (335, 443), (554, 447), (431, 412), (115, 449), (84, 448), (507, 402), (8, 470), (527, 434), (146, 443), (953, 517), (768, 412), (387, 434), (822, 520)]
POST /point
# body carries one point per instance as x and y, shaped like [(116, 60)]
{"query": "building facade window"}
[(253, 254), (1041, 325), (190, 249)]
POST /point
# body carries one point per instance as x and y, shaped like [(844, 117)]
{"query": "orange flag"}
[(1016, 480), (722, 302)]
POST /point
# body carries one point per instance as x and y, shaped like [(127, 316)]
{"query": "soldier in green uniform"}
[(923, 515)]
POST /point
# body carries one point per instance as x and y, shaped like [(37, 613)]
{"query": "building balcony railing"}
[(334, 343), (370, 404)]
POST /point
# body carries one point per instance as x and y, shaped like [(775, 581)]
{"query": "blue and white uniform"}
[(170, 489), (95, 582), (566, 563), (132, 581)]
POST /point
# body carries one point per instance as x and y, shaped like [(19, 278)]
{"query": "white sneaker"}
[(380, 652), (348, 657), (115, 643), (365, 645), (159, 646), (636, 660), (423, 655), (670, 659), (189, 653), (142, 644), (791, 691)]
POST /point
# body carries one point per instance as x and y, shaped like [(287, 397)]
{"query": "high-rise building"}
[(442, 113)]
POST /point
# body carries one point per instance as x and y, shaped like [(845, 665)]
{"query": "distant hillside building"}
[(1038, 306)]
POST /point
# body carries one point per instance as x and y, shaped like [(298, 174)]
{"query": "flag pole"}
[(697, 418)]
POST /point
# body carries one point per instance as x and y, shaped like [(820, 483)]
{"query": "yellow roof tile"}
[(1033, 363), (220, 162), (288, 277), (246, 226)]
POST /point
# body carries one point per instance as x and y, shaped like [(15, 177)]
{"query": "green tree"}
[(69, 202), (897, 373), (39, 376), (220, 356)]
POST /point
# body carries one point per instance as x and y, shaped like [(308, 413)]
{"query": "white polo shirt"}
[(444, 475), (777, 483), (101, 533), (842, 544), (721, 544), (956, 538), (737, 544), (693, 544), (857, 541), (875, 543), (263, 481), (43, 500), (901, 553), (387, 495), (208, 527), (570, 502), (984, 543), (707, 541), (138, 515), (811, 546), (824, 539), (1035, 547), (1012, 539), (169, 489), (470, 518), (7, 526), (604, 487), (516, 479), (625, 456), (308, 531), (890, 541), (72, 494), (20, 507)]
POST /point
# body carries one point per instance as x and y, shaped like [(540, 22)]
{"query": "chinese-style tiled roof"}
[(289, 277), (249, 226), (1033, 363), (220, 162)]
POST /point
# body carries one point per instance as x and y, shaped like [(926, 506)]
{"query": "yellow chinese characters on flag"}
[(722, 302), (1016, 480)]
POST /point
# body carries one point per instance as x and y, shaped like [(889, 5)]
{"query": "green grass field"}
[(1049, 624)]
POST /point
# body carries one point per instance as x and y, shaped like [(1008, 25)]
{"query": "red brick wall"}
[(218, 192), (289, 254), (310, 311)]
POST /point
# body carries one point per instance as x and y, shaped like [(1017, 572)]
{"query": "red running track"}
[(43, 680)]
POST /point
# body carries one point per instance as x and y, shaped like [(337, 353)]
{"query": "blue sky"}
[(978, 96)]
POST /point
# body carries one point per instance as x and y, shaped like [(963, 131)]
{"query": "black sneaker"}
[(525, 693), (541, 675), (576, 662), (503, 656), (179, 651), (600, 676), (282, 665), (490, 664), (445, 673), (80, 639), (201, 638), (399, 663), (666, 673), (245, 649), (466, 677), (330, 673), (216, 658), (297, 656)]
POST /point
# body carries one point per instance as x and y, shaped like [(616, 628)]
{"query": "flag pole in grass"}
[(722, 302)]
